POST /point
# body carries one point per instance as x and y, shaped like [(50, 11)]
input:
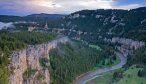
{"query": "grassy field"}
[(106, 79), (129, 77), (95, 46)]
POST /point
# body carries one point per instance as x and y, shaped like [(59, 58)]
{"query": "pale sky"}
[(25, 7)]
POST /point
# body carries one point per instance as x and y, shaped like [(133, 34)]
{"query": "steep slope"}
[(123, 23), (10, 41), (26, 65), (73, 59)]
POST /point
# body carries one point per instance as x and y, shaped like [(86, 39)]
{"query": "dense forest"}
[(10, 41), (109, 23), (73, 59), (139, 58)]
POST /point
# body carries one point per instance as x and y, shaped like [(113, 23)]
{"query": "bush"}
[(44, 62), (40, 77), (117, 75), (28, 73), (142, 73)]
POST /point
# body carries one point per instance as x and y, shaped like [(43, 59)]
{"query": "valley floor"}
[(97, 73), (129, 77)]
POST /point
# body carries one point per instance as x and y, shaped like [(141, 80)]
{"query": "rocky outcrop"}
[(125, 42), (124, 45), (25, 64)]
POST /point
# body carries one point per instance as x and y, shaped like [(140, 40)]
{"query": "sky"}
[(26, 7)]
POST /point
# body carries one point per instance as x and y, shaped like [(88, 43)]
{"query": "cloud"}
[(6, 25), (61, 6), (75, 5), (129, 6)]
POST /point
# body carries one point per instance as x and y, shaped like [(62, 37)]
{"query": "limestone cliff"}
[(125, 45), (25, 64)]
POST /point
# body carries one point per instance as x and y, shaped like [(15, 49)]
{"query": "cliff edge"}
[(30, 65)]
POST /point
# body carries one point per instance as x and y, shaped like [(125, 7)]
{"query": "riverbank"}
[(96, 73), (130, 76)]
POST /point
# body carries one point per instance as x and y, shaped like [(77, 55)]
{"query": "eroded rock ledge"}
[(25, 66)]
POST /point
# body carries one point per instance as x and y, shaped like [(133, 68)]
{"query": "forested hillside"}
[(32, 17), (100, 22), (10, 41), (73, 59), (53, 20), (123, 23), (96, 25)]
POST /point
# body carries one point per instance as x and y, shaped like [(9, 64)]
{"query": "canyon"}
[(25, 66)]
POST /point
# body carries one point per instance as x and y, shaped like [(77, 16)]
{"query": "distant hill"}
[(32, 17), (101, 22), (123, 23), (8, 18), (44, 15)]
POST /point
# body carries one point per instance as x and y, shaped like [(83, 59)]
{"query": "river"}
[(99, 72)]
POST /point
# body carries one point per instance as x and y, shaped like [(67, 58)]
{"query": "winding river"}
[(99, 72)]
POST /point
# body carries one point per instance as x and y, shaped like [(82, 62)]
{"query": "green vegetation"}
[(3, 75), (68, 61), (133, 26), (108, 78), (10, 41), (138, 57), (44, 62), (40, 77), (95, 46), (105, 79), (142, 73), (28, 73), (108, 62), (32, 37), (71, 60), (130, 76), (128, 23)]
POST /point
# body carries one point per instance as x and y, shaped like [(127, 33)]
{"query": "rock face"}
[(125, 45), (125, 42), (25, 64)]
